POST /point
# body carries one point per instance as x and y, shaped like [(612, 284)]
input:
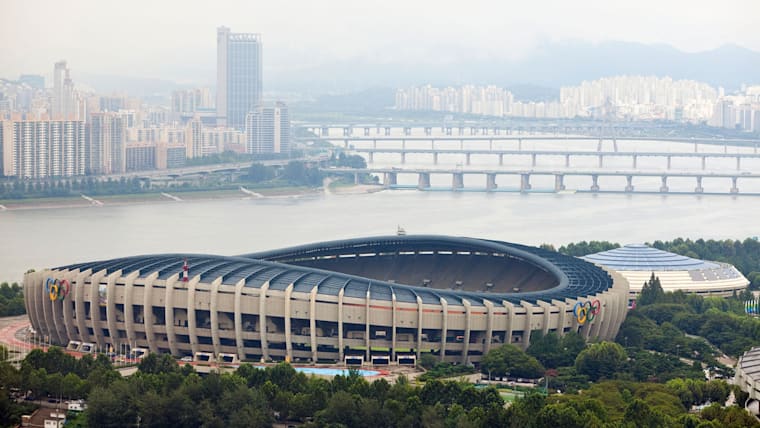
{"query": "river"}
[(38, 238)]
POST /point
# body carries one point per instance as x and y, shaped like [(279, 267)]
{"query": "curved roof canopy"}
[(640, 257), (575, 277)]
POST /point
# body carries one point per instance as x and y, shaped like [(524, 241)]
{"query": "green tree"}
[(601, 360), (510, 359)]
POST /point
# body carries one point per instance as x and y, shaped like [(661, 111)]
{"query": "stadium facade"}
[(370, 300), (637, 263)]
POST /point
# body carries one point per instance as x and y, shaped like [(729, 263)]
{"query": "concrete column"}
[(595, 183), (129, 313), (95, 308), (601, 161), (696, 147), (435, 158), (213, 309), (371, 157), (403, 157), (489, 325), (57, 335), (562, 318), (263, 320), (325, 131), (734, 188), (704, 162), (461, 144), (599, 146), (407, 130), (169, 314), (340, 325), (519, 144), (467, 158), (68, 308), (428, 130), (367, 323), (699, 188), (432, 144), (547, 307), (192, 329), (501, 159), (238, 308), (510, 321), (738, 163), (403, 144), (467, 329), (559, 182), (444, 326), (313, 323), (461, 130), (528, 324), (366, 131), (345, 143), (424, 181), (533, 159), (457, 180), (491, 181), (490, 144), (356, 178), (148, 312), (394, 322), (419, 327), (635, 159), (389, 179), (111, 309), (374, 143), (387, 130), (664, 187), (567, 161), (669, 159), (524, 182)]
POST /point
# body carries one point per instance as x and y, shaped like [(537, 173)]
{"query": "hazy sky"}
[(175, 39)]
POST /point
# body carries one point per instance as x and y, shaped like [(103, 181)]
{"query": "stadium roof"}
[(575, 277), (640, 257)]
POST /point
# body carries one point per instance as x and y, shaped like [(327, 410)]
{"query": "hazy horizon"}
[(298, 36)]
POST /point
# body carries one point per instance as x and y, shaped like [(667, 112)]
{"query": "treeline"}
[(163, 394), (20, 189), (11, 300)]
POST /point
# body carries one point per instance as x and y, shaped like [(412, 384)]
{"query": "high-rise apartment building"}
[(43, 148), (106, 146), (239, 76), (268, 129)]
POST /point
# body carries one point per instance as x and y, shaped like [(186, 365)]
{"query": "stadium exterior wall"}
[(116, 310)]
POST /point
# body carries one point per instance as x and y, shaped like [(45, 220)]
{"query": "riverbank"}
[(169, 196)]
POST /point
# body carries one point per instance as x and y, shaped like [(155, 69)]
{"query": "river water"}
[(38, 238)]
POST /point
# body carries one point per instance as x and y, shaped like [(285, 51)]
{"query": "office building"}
[(66, 101), (268, 129), (239, 76)]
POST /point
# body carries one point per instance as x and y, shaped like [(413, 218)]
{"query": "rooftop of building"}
[(641, 257)]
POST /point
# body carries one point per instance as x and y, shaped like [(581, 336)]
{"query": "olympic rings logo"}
[(586, 312), (57, 289)]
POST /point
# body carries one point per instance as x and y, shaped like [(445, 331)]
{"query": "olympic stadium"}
[(378, 300), (637, 262)]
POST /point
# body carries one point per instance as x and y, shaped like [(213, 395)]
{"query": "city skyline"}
[(448, 34)]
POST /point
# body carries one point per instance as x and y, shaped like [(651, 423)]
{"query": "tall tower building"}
[(238, 76), (268, 129), (106, 147), (65, 98)]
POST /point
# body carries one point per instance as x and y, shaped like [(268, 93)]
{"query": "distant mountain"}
[(549, 66)]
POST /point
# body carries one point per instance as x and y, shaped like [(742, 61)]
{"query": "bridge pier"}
[(490, 182), (366, 131), (664, 187), (435, 158), (704, 162), (496, 130), (614, 144), (432, 144), (484, 130), (725, 148), (407, 130), (524, 182), (374, 143), (371, 158), (473, 130), (567, 161), (347, 131), (467, 158), (461, 130), (448, 130), (356, 178), (387, 130), (519, 144), (389, 179), (559, 182), (699, 188), (738, 163), (457, 180), (345, 143), (599, 146), (669, 158), (403, 144), (461, 144), (423, 182), (490, 144), (629, 185), (635, 160), (501, 159), (403, 157), (734, 188), (428, 130), (533, 159), (601, 161), (594, 183), (325, 131), (696, 147)]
